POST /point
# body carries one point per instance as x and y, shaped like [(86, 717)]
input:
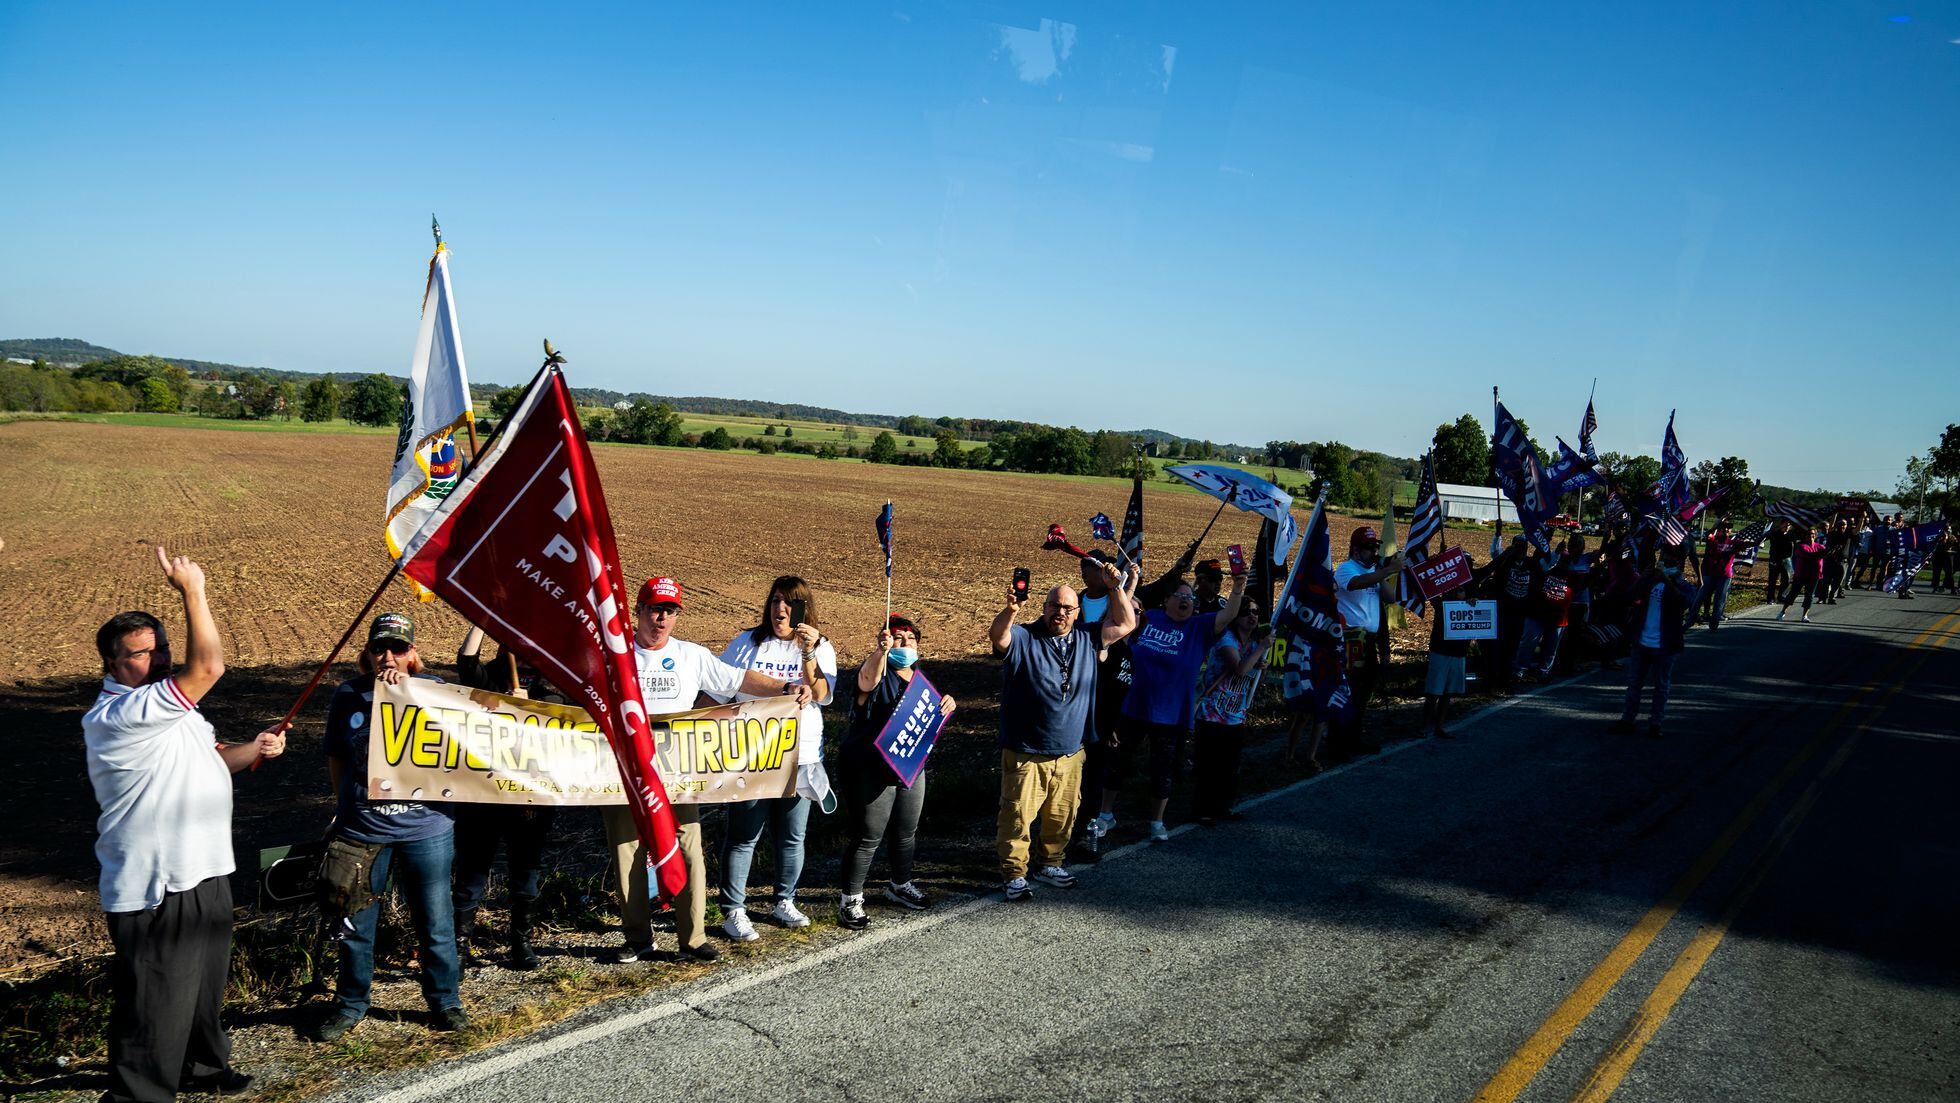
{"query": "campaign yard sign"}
[(909, 735), (1448, 571), (1469, 620)]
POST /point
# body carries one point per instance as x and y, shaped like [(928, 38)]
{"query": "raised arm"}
[(204, 653), (872, 670), (1001, 633), (1120, 619), (1229, 612)]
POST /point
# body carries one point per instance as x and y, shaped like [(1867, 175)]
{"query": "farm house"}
[(1475, 503)]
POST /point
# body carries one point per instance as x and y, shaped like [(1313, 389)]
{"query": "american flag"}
[(1132, 542), (1100, 527), (1426, 524), (1800, 516), (1668, 528), (1616, 510), (1751, 534), (1586, 428)]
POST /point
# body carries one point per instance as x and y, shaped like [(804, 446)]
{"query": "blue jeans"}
[(786, 817), (1713, 598), (1539, 636), (424, 868), (1648, 662)]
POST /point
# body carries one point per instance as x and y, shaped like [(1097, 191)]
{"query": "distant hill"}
[(72, 351)]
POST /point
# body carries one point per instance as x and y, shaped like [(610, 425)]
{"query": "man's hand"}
[(271, 743), (184, 576), (1112, 578)]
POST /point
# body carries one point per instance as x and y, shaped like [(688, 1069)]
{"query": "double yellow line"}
[(1530, 1058)]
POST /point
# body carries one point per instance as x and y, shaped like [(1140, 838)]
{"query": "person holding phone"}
[(1230, 673), (1047, 697), (1166, 652), (878, 808), (785, 645)]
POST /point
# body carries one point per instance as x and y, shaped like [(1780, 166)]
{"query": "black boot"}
[(522, 956), (466, 927)]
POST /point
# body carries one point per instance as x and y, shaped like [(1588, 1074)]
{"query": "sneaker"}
[(705, 952), (1158, 832), (451, 1020), (629, 953), (907, 895), (1018, 889), (336, 1026), (226, 1081), (736, 925), (1056, 876), (1806, 618), (785, 914), (850, 914), (1783, 612)]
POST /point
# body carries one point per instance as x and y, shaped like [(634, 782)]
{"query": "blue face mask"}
[(902, 657)]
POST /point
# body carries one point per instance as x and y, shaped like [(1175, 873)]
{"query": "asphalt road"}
[(1761, 905)]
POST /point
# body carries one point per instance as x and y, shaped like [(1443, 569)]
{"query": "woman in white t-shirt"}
[(788, 646)]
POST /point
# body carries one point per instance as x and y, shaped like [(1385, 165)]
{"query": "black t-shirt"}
[(1780, 544), (870, 718)]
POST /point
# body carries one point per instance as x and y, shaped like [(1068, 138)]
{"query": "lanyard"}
[(1065, 654)]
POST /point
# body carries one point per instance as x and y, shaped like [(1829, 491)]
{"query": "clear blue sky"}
[(1242, 222)]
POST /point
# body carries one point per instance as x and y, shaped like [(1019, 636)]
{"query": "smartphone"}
[(1235, 555), (796, 612), (1021, 577)]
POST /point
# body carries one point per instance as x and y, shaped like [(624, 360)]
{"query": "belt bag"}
[(345, 885)]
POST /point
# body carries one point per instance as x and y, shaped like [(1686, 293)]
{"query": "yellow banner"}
[(435, 742)]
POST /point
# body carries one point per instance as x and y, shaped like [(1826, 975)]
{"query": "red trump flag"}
[(524, 547)]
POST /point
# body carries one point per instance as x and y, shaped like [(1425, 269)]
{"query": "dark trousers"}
[(1712, 601), (168, 977), (423, 866), (877, 809), (1364, 670), (1807, 589), (1779, 579), (1215, 768), (1943, 570), (479, 828), (1166, 743), (1648, 664)]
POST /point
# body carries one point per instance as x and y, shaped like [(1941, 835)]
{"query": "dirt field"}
[(288, 528)]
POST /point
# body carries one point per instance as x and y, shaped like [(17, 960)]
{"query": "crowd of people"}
[(1113, 683)]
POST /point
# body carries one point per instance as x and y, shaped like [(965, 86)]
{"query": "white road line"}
[(526, 1052)]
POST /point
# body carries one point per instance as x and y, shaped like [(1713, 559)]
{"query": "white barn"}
[(1475, 503)]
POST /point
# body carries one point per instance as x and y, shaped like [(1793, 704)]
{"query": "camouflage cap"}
[(392, 626)]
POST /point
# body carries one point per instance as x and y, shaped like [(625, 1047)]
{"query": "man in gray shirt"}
[(1047, 698)]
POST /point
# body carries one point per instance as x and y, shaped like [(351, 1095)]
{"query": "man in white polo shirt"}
[(1358, 594), (164, 840)]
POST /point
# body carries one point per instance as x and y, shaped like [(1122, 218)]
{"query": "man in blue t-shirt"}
[(1047, 702)]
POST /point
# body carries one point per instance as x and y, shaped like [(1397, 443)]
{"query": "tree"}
[(769, 430), (717, 438), (598, 426), (504, 401), (912, 425), (645, 422), (884, 448), (1632, 474), (321, 401), (850, 432), (1462, 452), (155, 396), (946, 448), (373, 400)]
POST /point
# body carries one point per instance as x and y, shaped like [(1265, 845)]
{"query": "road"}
[(1760, 905)]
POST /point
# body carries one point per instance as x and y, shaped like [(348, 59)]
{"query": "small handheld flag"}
[(1101, 527), (884, 524)]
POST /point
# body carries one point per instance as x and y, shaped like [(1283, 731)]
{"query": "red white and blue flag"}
[(1909, 548), (1131, 543), (1102, 528), (1424, 526)]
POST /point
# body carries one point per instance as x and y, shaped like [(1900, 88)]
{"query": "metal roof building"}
[(1475, 503)]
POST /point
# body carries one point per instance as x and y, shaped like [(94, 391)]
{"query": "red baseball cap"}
[(1364, 535), (660, 590)]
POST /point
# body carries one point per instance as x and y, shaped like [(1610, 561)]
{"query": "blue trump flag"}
[(885, 536), (1102, 528), (1571, 471), (1909, 548), (1308, 619), (914, 727), (1671, 489), (1515, 462)]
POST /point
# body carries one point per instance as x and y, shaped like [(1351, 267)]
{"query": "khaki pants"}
[(630, 869), (1038, 795)]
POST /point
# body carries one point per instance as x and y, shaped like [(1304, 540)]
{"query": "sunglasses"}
[(393, 647), (661, 610)]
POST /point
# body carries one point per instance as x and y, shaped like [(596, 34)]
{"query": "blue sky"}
[(1242, 222)]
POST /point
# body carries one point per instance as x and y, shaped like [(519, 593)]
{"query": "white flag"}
[(428, 463)]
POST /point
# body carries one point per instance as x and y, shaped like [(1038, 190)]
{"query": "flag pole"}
[(889, 535), (1299, 551)]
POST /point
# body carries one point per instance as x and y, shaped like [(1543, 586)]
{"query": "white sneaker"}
[(1096, 828), (1806, 618), (785, 913), (736, 925), (1018, 889), (1783, 612), (1056, 876), (1158, 832)]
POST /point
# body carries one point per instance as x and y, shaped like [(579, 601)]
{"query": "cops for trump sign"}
[(1469, 620)]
